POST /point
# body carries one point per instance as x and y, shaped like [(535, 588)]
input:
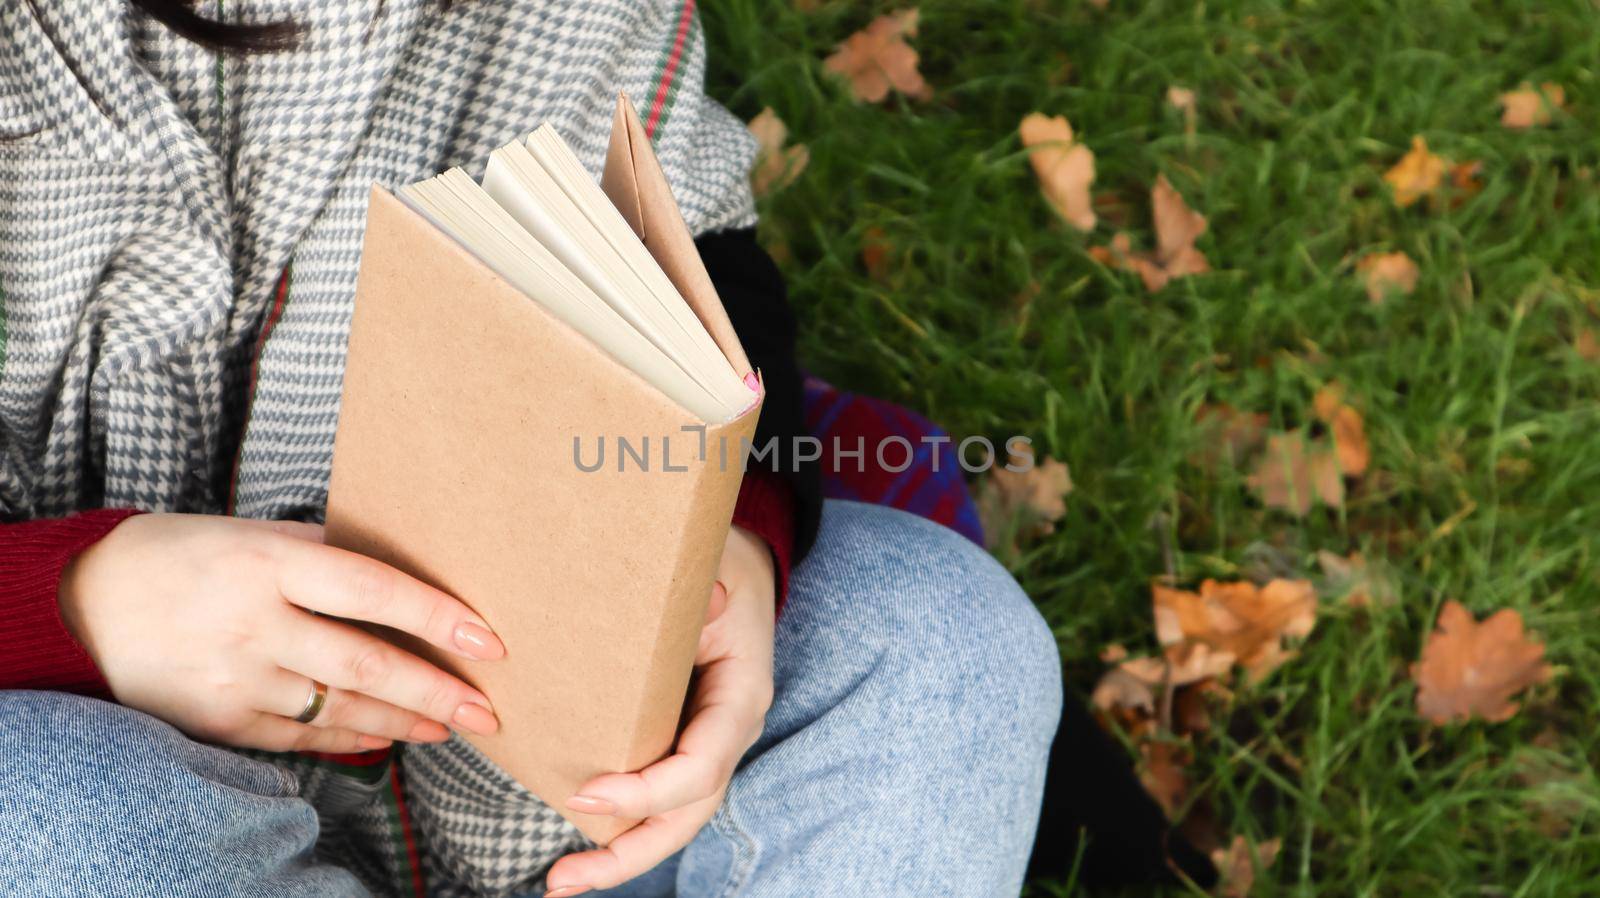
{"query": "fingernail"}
[(566, 891), (476, 718), (478, 642), (372, 743), (588, 804), (428, 731)]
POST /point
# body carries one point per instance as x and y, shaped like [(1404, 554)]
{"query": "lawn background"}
[(1482, 417)]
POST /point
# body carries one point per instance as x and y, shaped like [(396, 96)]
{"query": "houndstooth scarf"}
[(179, 238)]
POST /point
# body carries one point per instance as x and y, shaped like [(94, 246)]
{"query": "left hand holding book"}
[(223, 627)]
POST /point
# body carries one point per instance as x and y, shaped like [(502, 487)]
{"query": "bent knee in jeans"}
[(99, 799)]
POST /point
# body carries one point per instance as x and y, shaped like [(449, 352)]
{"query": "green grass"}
[(1484, 422)]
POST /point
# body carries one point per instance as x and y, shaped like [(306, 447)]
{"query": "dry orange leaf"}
[(1293, 474), (1163, 774), (875, 253), (1348, 427), (1470, 669), (1239, 619), (1386, 273), (1065, 168), (776, 165), (1239, 864), (1119, 689), (1038, 494), (1527, 107), (1177, 227), (1184, 663), (1587, 344), (877, 58), (1416, 175), (1230, 434)]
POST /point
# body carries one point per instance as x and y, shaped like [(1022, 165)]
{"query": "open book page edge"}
[(465, 256), (634, 181)]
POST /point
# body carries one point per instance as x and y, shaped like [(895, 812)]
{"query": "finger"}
[(347, 658), (345, 710), (311, 533), (722, 727), (718, 602), (634, 852), (273, 733), (332, 581)]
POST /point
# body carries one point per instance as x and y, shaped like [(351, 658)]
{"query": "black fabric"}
[(1098, 816), (757, 302)]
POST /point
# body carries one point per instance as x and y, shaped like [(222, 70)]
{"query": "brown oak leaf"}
[(1293, 473), (1229, 435), (1038, 495), (877, 58), (1387, 273), (1470, 669), (1348, 427), (1243, 620), (1239, 863), (776, 165), (1064, 167), (1416, 175), (1176, 226), (1163, 774), (1527, 107)]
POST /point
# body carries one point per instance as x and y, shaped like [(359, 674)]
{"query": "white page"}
[(458, 206)]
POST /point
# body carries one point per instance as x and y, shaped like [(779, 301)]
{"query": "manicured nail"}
[(478, 642), (476, 718), (588, 804), (372, 743), (428, 731), (566, 891)]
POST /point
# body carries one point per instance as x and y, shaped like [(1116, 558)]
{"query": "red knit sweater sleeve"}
[(766, 508), (36, 650)]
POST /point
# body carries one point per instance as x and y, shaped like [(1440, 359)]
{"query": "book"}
[(545, 411)]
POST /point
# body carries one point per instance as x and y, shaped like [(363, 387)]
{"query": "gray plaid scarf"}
[(179, 238)]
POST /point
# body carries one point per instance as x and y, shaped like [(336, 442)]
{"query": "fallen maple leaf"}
[(1237, 619), (1292, 474), (1348, 427), (1470, 669), (1037, 494), (1176, 226), (1417, 174), (877, 58), (1064, 167), (1239, 864), (1386, 273), (776, 165), (1526, 107)]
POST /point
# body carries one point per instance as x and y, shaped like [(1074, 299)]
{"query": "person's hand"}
[(732, 691), (208, 623)]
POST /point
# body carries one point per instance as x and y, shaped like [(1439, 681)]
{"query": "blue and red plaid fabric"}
[(845, 421)]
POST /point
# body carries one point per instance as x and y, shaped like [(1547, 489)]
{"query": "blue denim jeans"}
[(917, 692)]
